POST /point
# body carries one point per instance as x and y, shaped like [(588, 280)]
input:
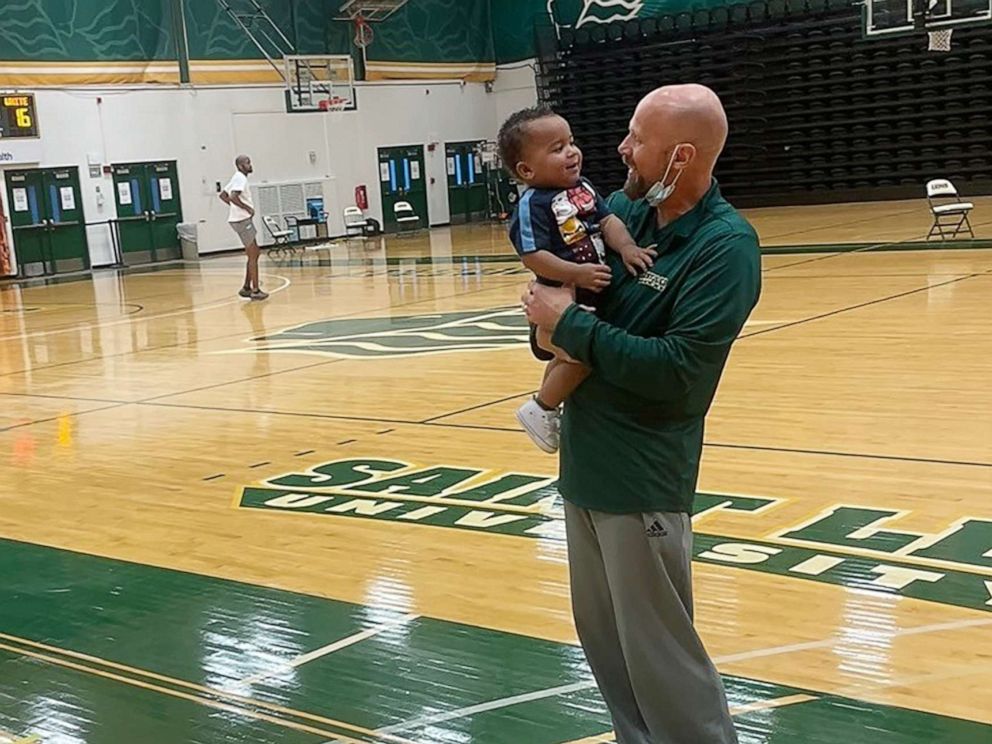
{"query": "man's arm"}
[(224, 197), (235, 198), (617, 237), (615, 234), (711, 310), (588, 276)]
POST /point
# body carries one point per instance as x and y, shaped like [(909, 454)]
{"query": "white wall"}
[(204, 128), (515, 88)]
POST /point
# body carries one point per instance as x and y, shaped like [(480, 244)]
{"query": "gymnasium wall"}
[(106, 75), (203, 129), (515, 88)]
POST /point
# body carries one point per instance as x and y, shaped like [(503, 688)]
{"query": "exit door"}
[(148, 210), (467, 183), (46, 219), (402, 178)]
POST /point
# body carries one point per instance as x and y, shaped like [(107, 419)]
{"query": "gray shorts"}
[(245, 230)]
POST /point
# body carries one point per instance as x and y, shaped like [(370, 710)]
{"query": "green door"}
[(148, 209), (29, 222), (133, 218), (467, 197), (402, 178), (67, 225), (167, 210), (46, 214)]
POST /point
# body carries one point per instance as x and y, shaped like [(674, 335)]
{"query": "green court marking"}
[(405, 335), (911, 245), (74, 707), (525, 505), (943, 585), (214, 633)]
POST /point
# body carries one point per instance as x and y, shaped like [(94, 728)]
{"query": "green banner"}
[(86, 30), (423, 32), (514, 20)]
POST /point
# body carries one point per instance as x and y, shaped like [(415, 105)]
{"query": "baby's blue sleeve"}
[(530, 228)]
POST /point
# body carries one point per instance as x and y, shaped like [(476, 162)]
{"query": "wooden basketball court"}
[(314, 519)]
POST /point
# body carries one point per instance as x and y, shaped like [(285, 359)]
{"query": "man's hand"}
[(595, 277), (637, 259), (544, 306)]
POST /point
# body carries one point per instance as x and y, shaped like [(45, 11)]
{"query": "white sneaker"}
[(540, 425)]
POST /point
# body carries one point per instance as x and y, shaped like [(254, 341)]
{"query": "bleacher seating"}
[(818, 113)]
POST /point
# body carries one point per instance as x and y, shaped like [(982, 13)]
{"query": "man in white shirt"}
[(242, 220)]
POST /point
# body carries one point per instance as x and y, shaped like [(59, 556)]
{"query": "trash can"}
[(187, 241)]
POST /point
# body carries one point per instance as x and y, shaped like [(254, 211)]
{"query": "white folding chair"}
[(406, 218), (280, 236), (354, 221), (950, 214)]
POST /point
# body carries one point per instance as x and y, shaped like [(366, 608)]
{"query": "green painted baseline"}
[(100, 651)]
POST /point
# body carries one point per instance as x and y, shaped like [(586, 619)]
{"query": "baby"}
[(558, 229)]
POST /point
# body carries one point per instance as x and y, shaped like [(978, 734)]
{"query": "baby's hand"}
[(636, 259), (595, 277)]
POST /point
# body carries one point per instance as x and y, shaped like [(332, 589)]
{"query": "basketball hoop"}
[(364, 35), (333, 103), (940, 40)]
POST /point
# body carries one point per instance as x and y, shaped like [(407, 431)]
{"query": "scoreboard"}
[(18, 116)]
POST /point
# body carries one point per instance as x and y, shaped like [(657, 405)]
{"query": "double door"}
[(47, 222), (148, 210)]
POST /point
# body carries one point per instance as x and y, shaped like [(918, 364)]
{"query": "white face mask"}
[(659, 192)]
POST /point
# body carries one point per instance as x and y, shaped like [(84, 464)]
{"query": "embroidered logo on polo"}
[(657, 282)]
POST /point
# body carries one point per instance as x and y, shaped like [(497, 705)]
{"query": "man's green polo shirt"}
[(632, 434)]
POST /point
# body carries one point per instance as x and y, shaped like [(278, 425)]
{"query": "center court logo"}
[(403, 336)]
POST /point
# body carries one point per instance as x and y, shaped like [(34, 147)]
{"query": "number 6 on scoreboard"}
[(23, 117)]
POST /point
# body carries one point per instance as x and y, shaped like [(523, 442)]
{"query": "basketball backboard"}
[(955, 13), (890, 17), (320, 83), (369, 10)]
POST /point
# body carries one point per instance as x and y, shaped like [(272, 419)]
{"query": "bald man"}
[(241, 218), (632, 434)]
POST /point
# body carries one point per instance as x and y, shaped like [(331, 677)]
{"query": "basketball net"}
[(333, 103), (364, 35), (940, 40)]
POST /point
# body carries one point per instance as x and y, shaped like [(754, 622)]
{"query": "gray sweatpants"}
[(631, 583)]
